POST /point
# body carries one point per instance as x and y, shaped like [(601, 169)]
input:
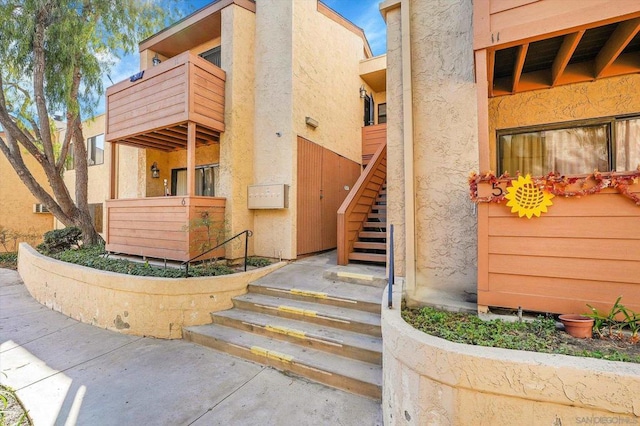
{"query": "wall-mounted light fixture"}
[(311, 122), (363, 92), (155, 171), (156, 60)]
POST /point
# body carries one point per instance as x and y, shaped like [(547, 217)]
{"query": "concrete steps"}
[(332, 336), (345, 373)]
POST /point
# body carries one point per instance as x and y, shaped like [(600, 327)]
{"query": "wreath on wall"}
[(553, 184)]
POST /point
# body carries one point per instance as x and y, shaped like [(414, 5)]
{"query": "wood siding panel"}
[(584, 250), (183, 88), (309, 216), (506, 22), (162, 227), (322, 177)]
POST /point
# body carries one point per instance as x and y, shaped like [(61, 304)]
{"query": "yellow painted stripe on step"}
[(354, 275), (257, 350), (316, 294), (288, 331), (305, 312)]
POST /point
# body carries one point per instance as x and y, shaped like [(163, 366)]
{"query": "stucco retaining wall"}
[(431, 381), (143, 306)]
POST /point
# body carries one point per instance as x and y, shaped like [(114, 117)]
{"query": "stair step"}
[(369, 245), (332, 316), (377, 216), (374, 224), (343, 297), (340, 372), (379, 207), (341, 342), (372, 234), (368, 257)]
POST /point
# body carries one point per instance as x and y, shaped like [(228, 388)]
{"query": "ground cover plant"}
[(539, 335), (95, 257), (12, 413), (9, 260)]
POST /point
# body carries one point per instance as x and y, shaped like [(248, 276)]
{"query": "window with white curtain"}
[(611, 144)]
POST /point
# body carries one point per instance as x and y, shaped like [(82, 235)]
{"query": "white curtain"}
[(627, 145), (181, 182), (567, 151)]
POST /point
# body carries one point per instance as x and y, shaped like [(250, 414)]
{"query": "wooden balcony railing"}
[(372, 138), (151, 111), (175, 228), (355, 208)]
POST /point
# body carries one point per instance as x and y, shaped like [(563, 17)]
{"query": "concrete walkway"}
[(67, 373)]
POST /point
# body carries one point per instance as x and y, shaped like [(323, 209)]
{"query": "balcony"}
[(154, 109), (174, 228)]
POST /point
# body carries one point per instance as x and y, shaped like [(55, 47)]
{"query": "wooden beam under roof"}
[(518, 66), (623, 34), (561, 60), (491, 61)]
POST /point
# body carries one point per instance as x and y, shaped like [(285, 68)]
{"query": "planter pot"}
[(577, 325)]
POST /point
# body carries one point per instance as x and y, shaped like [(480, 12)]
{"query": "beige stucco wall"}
[(444, 144), (311, 64), (16, 204), (142, 306), (274, 155), (237, 141), (326, 81), (167, 161), (430, 381), (601, 98)]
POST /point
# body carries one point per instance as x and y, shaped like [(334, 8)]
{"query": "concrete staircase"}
[(372, 239), (331, 337)]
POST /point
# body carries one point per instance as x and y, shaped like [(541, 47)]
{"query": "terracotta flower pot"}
[(577, 325)]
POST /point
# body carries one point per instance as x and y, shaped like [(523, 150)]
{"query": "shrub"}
[(9, 260), (258, 262), (60, 240)]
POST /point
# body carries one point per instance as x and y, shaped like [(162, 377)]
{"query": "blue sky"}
[(363, 13)]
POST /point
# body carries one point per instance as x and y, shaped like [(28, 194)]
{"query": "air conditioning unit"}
[(40, 208)]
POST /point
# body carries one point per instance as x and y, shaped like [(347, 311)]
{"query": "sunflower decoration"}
[(526, 198)]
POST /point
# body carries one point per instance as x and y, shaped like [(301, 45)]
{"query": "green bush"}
[(258, 262), (9, 260), (60, 240)]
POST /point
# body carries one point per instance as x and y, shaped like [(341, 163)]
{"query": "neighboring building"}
[(22, 217), (532, 86), (244, 116)]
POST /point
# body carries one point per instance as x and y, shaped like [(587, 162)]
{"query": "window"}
[(95, 150), (206, 179), (605, 145), (213, 56), (382, 113), (368, 110)]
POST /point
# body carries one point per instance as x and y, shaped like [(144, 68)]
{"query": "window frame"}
[(609, 121), (92, 147), (174, 179)]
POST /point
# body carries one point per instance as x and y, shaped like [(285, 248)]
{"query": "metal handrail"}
[(246, 249), (391, 267)]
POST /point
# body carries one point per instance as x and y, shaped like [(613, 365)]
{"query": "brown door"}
[(322, 178), (309, 202)]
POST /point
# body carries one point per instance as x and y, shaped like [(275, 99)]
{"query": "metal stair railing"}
[(248, 233)]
